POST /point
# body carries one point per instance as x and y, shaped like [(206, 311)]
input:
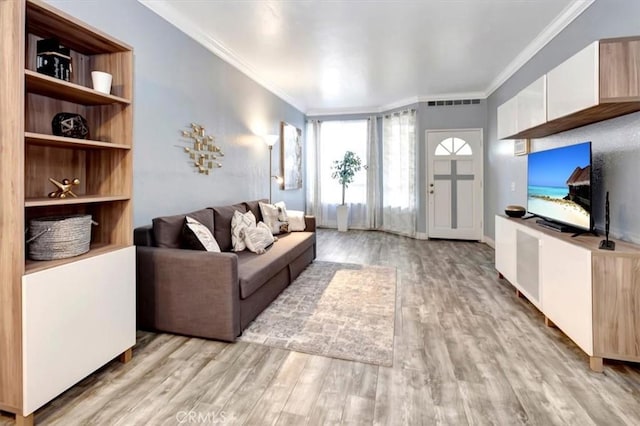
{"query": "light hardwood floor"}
[(467, 351)]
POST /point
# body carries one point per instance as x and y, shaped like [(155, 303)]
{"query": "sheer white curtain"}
[(327, 142), (399, 173)]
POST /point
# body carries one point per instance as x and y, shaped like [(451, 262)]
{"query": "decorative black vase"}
[(70, 125)]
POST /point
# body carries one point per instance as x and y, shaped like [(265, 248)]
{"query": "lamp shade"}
[(270, 140)]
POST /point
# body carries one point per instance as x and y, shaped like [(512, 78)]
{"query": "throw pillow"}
[(239, 222), (196, 236), (296, 220), (282, 211), (271, 214), (259, 238)]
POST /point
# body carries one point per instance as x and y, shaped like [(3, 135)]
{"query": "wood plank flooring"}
[(467, 351)]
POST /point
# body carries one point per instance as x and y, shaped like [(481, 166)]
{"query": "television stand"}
[(591, 295)]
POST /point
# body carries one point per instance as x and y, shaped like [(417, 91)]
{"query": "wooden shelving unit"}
[(62, 142), (31, 155), (41, 84)]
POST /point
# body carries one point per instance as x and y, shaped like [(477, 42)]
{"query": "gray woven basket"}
[(59, 237)]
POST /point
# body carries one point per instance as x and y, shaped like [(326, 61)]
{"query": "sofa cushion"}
[(254, 207), (222, 218), (258, 238), (240, 222), (167, 230), (254, 270), (196, 236), (274, 216)]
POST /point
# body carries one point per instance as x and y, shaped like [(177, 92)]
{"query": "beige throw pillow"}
[(239, 222), (272, 215), (259, 238), (296, 220), (196, 236)]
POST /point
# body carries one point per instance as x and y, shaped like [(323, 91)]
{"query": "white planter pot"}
[(342, 212)]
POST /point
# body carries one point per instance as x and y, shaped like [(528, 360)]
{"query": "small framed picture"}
[(521, 147)]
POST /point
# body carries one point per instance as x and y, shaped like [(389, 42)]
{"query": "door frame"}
[(427, 171)]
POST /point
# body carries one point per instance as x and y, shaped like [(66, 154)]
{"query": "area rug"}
[(336, 310)]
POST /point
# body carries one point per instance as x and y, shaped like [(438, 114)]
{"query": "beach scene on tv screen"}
[(559, 184)]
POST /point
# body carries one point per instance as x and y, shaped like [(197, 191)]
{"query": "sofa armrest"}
[(189, 292), (310, 223)]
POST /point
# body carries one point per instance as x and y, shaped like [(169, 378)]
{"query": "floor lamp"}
[(271, 140)]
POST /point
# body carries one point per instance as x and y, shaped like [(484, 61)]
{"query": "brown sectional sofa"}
[(212, 295)]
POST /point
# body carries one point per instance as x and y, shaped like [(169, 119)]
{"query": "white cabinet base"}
[(589, 294), (76, 318)]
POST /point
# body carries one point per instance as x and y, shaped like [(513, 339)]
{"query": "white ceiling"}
[(371, 55)]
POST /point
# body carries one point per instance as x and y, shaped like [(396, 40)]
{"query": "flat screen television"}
[(559, 185)]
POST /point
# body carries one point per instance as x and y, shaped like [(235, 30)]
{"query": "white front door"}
[(454, 183)]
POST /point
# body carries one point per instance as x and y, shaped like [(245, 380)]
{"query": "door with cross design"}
[(454, 184)]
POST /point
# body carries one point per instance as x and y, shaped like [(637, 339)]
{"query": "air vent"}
[(454, 102)]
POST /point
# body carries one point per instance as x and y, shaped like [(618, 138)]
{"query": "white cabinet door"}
[(566, 293), (76, 318), (506, 248), (508, 118), (574, 85), (528, 264), (532, 105)]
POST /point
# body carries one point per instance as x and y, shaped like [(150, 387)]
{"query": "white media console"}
[(592, 295)]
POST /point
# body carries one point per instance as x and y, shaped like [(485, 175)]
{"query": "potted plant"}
[(344, 170)]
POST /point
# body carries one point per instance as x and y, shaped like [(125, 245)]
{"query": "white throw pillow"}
[(270, 215), (238, 223), (296, 220), (259, 238), (198, 237), (282, 211)]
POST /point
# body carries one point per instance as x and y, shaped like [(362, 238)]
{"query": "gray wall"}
[(176, 82), (615, 143)]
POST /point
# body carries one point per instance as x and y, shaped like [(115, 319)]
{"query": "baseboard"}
[(422, 236), (488, 241)]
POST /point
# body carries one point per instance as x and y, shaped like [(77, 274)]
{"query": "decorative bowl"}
[(515, 211)]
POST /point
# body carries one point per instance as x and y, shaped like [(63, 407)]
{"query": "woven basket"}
[(59, 237)]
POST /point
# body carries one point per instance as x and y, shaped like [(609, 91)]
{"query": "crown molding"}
[(171, 15), (395, 105), (571, 12)]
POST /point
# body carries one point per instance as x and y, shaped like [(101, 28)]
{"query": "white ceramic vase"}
[(342, 212)]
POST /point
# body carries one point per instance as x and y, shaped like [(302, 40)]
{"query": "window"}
[(453, 146), (336, 138)]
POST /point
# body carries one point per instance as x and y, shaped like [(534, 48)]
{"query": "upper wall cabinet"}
[(601, 81), (508, 118), (525, 110), (573, 85)]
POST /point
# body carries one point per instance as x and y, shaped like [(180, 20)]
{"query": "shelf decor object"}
[(291, 146), (70, 125), (62, 317), (202, 150), (59, 237), (64, 188)]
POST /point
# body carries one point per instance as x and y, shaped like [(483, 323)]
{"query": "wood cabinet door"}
[(574, 85)]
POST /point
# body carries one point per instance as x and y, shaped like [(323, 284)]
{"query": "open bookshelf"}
[(31, 155)]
